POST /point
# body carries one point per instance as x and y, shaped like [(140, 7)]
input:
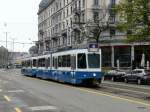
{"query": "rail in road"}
[(123, 89)]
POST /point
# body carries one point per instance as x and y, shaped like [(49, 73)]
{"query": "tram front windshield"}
[(94, 60)]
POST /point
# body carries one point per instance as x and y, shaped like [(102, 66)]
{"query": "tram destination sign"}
[(93, 47)]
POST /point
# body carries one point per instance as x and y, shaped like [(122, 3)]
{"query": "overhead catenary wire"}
[(17, 42)]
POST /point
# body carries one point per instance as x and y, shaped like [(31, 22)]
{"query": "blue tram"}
[(73, 66)]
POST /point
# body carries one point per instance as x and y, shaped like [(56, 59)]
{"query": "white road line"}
[(15, 91), (42, 108), (1, 90)]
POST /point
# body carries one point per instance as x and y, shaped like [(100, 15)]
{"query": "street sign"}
[(93, 47)]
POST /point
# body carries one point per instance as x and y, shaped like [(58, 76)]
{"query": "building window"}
[(63, 14), (79, 4), (64, 2), (96, 2), (67, 22), (96, 16), (60, 4), (112, 31), (83, 3), (71, 10), (75, 5), (71, 22), (113, 2), (67, 12), (83, 15)]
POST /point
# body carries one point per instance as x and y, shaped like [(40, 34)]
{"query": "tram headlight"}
[(94, 74), (84, 75)]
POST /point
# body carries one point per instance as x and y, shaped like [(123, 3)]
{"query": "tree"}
[(134, 19), (33, 50), (93, 28), (96, 27)]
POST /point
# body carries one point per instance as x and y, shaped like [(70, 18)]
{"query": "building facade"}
[(57, 19), (59, 28), (3, 56)]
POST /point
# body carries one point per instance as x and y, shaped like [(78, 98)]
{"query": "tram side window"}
[(68, 60), (60, 61), (82, 61), (41, 62), (64, 61), (23, 64), (28, 63), (47, 62), (34, 63)]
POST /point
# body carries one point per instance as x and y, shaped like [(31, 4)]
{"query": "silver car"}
[(138, 75)]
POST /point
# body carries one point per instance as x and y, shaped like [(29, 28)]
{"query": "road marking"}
[(17, 109), (1, 90), (42, 108), (127, 90), (7, 98), (15, 91)]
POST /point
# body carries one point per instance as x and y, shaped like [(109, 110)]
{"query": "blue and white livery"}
[(73, 66)]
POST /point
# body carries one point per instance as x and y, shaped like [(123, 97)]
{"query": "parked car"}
[(115, 75), (138, 75), (18, 66)]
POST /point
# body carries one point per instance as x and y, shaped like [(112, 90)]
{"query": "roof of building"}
[(3, 48), (43, 5)]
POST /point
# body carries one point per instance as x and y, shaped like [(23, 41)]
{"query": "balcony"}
[(96, 7), (78, 10), (112, 39), (47, 39), (55, 36), (64, 32)]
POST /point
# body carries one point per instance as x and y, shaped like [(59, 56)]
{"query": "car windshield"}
[(137, 71), (94, 60)]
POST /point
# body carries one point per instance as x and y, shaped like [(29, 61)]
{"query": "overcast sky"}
[(21, 19)]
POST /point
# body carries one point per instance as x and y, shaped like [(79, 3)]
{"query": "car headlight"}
[(145, 77)]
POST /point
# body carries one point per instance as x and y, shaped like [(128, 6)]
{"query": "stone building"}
[(57, 30), (56, 20), (3, 56)]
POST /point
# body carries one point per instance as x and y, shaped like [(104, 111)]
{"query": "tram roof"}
[(72, 51)]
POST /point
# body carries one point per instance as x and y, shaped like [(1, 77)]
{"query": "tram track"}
[(128, 90)]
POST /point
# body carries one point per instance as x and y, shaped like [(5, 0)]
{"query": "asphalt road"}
[(24, 94)]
